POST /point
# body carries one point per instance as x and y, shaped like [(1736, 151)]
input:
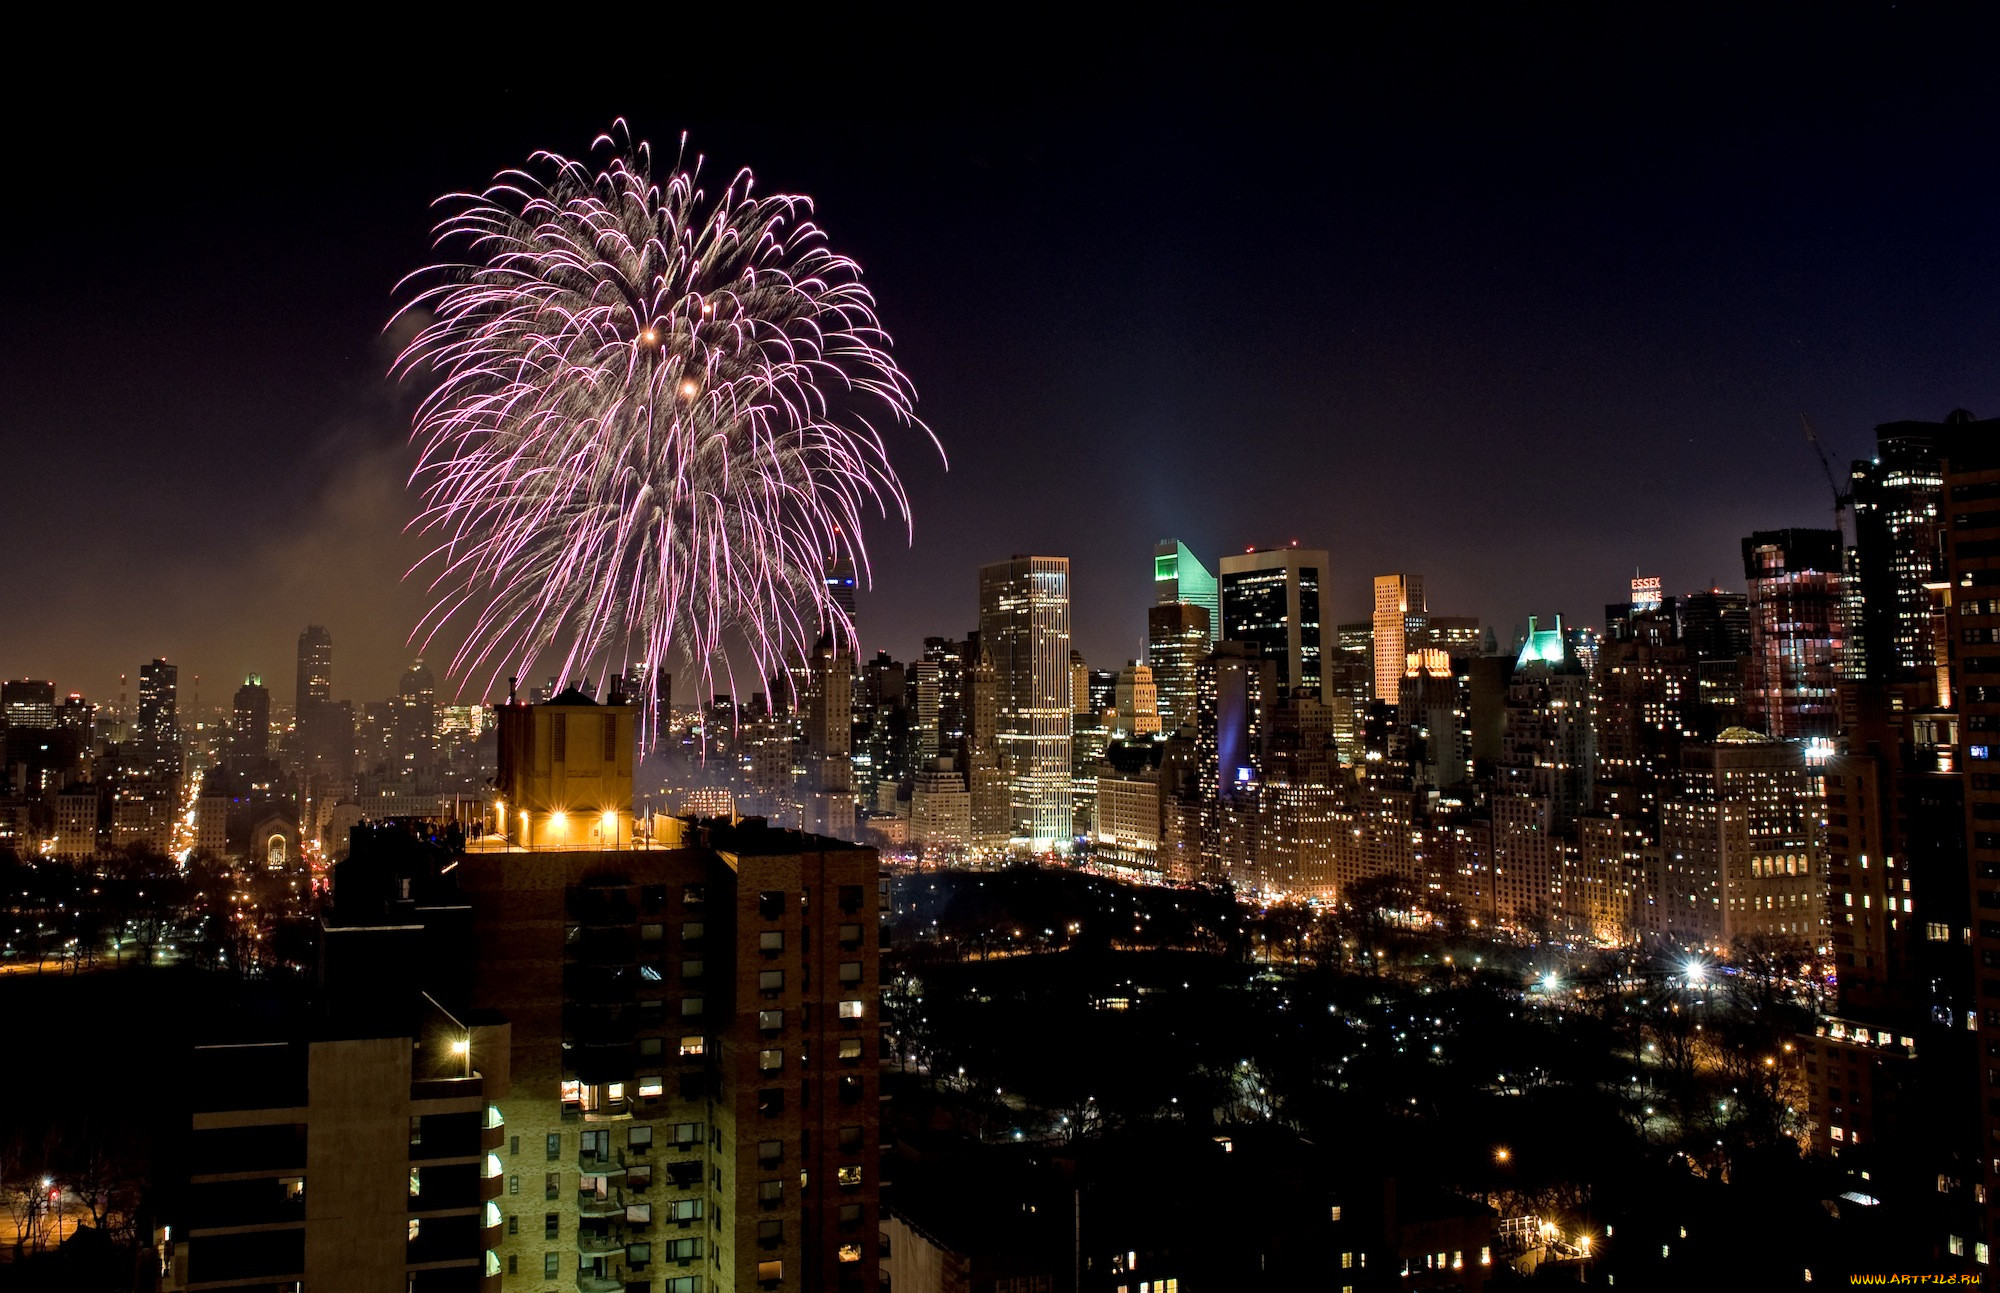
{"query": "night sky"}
[(1519, 305)]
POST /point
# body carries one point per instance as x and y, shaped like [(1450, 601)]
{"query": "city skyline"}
[(1537, 332)]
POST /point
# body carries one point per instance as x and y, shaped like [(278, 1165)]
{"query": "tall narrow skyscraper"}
[(1178, 638), (250, 728), (1897, 519), (1797, 629), (1179, 576), (1399, 613), (315, 684), (1271, 599), (1024, 630)]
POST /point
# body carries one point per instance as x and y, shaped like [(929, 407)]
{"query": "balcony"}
[(601, 1206), (600, 1243), (586, 1282), (611, 1164)]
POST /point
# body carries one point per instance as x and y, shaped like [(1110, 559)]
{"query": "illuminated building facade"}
[(1024, 630), (1125, 828), (940, 809), (693, 1085), (992, 806), (1350, 683), (1435, 715), (565, 776), (1178, 638), (1271, 599), (1798, 614), (1399, 615), (1896, 519), (1647, 699), (1135, 701), (1741, 845), (1179, 577)]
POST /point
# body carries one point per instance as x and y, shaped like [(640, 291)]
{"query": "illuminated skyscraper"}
[(1271, 599), (1897, 519), (315, 684), (159, 703), (1797, 629), (840, 586), (1178, 637), (1024, 629), (1399, 613), (1179, 577), (250, 728)]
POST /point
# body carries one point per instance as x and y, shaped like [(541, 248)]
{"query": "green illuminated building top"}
[(1179, 576), (1545, 645)]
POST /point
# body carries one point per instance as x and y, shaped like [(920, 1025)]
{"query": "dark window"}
[(555, 1146), (850, 1140), (850, 897), (559, 737), (771, 904), (770, 1102), (611, 738), (551, 1185), (552, 1225)]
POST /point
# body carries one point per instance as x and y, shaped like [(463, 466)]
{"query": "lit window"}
[(652, 1088), (850, 1178), (770, 1272), (415, 1226), (850, 1252), (850, 1048), (691, 1044), (850, 1009), (770, 1060)]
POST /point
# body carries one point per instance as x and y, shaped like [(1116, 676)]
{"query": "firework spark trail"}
[(649, 426)]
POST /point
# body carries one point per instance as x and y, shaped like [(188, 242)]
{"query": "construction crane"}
[(1843, 499)]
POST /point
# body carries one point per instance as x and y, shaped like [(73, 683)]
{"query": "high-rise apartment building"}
[(1798, 629), (1740, 843), (1271, 599), (1178, 638), (693, 1088), (1179, 576), (1971, 523), (1542, 777), (1399, 615), (1024, 630)]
